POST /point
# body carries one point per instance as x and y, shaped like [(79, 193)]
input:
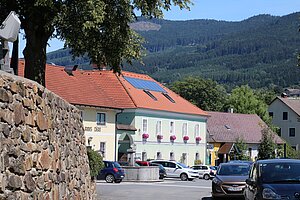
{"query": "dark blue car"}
[(112, 172), (274, 179)]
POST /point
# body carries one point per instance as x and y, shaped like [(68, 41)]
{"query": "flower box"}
[(159, 137), (172, 137), (198, 138), (145, 136), (186, 138)]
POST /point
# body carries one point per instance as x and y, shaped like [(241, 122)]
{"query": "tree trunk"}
[(15, 56), (35, 53)]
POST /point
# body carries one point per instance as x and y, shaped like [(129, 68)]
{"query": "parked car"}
[(112, 172), (177, 170), (203, 170), (274, 179), (230, 180), (162, 170)]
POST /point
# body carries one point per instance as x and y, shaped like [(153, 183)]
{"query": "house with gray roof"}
[(224, 129), (285, 113)]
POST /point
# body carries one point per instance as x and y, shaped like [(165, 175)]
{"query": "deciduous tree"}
[(204, 93), (99, 28), (243, 100)]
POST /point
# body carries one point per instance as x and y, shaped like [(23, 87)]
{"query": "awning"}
[(126, 127), (225, 148)]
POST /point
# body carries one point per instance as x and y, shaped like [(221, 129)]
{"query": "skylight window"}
[(144, 84), (150, 94), (227, 126), (168, 97)]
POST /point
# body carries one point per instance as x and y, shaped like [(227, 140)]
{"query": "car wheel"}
[(206, 177), (109, 178), (183, 177), (118, 180)]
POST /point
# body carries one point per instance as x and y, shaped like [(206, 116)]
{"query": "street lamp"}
[(9, 31)]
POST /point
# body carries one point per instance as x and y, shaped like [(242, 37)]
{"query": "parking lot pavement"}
[(174, 189)]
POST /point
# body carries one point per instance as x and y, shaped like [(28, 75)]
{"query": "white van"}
[(178, 170)]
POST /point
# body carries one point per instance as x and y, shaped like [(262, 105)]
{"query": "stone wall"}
[(42, 144)]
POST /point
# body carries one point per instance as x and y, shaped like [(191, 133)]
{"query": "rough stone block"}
[(41, 121), (14, 181), (45, 160), (4, 95), (29, 182)]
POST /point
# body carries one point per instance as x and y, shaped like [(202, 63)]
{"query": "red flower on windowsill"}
[(186, 138), (145, 136), (172, 137), (159, 137)]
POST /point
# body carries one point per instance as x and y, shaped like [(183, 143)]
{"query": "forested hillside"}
[(260, 51)]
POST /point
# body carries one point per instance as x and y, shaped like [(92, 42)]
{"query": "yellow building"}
[(100, 129)]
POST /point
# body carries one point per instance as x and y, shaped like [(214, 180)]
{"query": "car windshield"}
[(280, 172), (182, 165), (234, 170)]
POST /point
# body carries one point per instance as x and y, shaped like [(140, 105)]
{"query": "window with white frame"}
[(158, 128), (145, 126), (172, 131), (144, 156), (197, 156), (172, 156), (102, 149), (292, 132), (101, 119), (184, 129), (197, 130), (184, 158), (158, 155)]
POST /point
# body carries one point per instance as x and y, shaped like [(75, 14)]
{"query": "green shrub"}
[(95, 162)]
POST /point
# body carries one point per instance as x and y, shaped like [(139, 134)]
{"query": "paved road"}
[(172, 189)]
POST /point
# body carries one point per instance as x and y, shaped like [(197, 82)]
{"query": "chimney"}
[(284, 95)]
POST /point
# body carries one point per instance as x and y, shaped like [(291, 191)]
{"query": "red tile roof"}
[(142, 100), (228, 127), (106, 89)]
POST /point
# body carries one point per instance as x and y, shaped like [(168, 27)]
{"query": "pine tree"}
[(267, 146)]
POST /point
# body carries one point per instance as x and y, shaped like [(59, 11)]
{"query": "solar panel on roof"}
[(144, 84)]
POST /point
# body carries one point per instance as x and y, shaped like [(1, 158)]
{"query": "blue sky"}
[(228, 10)]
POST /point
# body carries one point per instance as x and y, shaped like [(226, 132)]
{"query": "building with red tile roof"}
[(285, 113), (224, 129), (136, 103)]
